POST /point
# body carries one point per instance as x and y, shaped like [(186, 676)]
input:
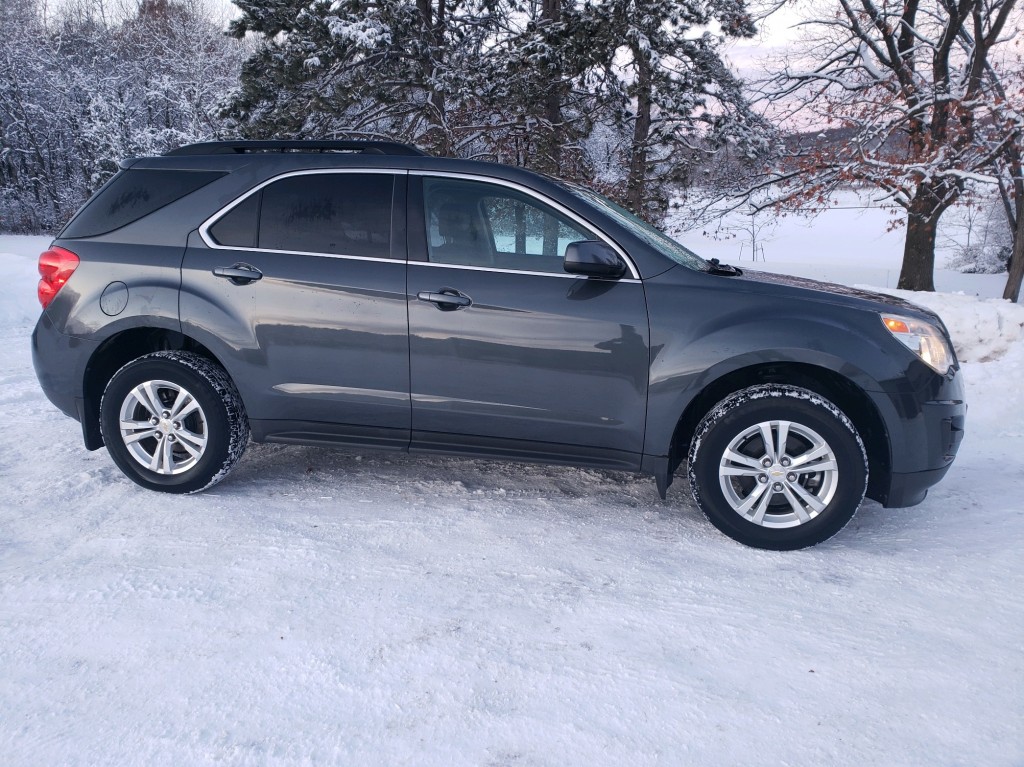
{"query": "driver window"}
[(472, 223)]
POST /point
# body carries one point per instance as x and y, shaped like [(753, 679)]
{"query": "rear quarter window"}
[(237, 228), (132, 194)]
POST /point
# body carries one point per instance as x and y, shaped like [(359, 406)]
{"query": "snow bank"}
[(996, 398), (982, 329)]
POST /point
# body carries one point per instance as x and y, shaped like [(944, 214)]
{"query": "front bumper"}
[(926, 428), (911, 489)]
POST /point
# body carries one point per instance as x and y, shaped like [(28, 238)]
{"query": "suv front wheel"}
[(777, 467), (173, 421)]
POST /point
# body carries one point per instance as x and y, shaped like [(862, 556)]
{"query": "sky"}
[(776, 34)]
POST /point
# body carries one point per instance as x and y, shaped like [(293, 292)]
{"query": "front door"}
[(509, 355)]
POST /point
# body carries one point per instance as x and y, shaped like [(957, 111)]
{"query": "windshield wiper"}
[(726, 270)]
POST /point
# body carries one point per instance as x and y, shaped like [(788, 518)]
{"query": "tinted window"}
[(341, 213), (478, 224), (237, 228), (132, 194)]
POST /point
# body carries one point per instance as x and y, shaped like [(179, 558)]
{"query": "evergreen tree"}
[(541, 83), (622, 94), (329, 68), (537, 86), (670, 96)]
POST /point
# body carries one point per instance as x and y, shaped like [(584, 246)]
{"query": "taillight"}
[(55, 266)]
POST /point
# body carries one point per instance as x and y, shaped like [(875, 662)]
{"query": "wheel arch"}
[(840, 390), (116, 352)]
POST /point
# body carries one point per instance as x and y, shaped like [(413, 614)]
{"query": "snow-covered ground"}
[(327, 608), (854, 242)]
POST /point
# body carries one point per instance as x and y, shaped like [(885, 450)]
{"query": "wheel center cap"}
[(165, 426)]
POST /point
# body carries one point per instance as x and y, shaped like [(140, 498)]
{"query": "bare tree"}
[(913, 83), (1010, 113), (1016, 267)]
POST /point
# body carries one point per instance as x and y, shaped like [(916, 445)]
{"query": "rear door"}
[(299, 289), (524, 360)]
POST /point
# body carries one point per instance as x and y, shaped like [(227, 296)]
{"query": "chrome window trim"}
[(633, 272), (204, 228), (341, 256), (560, 275)]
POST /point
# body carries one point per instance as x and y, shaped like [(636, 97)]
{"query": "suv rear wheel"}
[(173, 421), (778, 467)]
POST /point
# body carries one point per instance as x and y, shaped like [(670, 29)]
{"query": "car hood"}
[(836, 294)]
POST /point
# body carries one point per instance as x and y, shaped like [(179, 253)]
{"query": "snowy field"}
[(848, 244), (327, 608)]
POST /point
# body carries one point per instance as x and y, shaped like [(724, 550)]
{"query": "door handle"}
[(239, 274), (446, 299)]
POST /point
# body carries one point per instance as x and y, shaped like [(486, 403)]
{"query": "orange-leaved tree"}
[(914, 86)]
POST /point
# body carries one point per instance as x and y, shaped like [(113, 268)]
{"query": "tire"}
[(174, 422), (772, 498)]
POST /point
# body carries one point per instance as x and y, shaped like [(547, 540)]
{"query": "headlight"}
[(923, 339)]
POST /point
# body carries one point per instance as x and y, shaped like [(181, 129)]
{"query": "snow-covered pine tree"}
[(520, 82), (669, 94), (336, 68), (542, 107)]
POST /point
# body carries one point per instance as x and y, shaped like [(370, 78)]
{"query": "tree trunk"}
[(1016, 266), (636, 181), (919, 247), (551, 143), (1015, 217), (432, 28), (553, 115)]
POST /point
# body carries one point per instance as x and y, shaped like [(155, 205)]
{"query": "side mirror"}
[(590, 258)]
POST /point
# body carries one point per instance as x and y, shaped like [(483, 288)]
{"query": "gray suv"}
[(364, 295)]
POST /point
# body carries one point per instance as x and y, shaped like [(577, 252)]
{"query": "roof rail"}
[(244, 147)]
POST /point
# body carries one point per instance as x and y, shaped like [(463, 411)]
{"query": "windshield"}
[(640, 228)]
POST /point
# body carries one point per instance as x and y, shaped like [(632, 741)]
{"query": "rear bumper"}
[(60, 362)]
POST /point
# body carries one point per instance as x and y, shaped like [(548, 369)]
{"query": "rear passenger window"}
[(345, 214)]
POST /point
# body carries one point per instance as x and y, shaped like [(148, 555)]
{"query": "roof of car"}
[(294, 145), (273, 157)]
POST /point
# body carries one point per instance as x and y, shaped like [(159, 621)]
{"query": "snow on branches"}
[(915, 92)]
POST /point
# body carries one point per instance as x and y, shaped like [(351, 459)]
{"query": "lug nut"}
[(177, 425), (171, 438), (762, 477), (154, 421), (786, 462), (766, 462), (777, 487), (791, 477), (166, 414)]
